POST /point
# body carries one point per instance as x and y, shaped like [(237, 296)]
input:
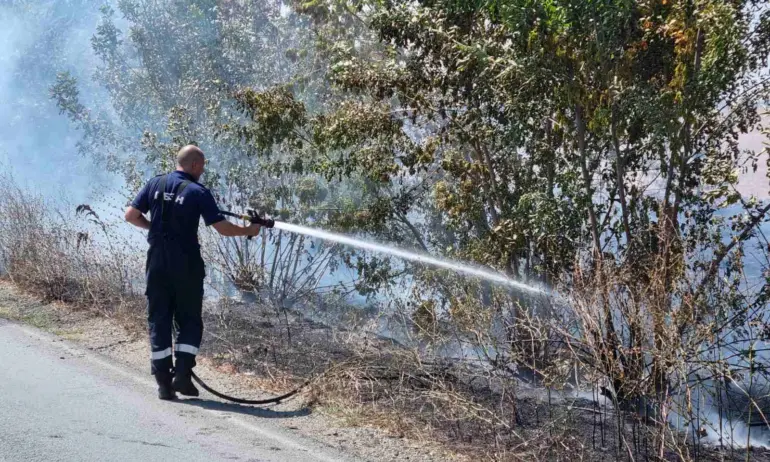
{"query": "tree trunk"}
[(274, 266), (621, 183), (581, 139)]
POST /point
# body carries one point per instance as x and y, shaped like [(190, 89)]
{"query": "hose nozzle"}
[(251, 216), (254, 217)]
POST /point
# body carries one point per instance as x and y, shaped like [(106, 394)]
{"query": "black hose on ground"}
[(257, 402)]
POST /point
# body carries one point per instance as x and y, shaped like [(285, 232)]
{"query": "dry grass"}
[(67, 256), (369, 381)]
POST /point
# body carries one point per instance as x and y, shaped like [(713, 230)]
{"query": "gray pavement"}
[(62, 403)]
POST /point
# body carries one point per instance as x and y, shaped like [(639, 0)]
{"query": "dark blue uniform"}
[(175, 269)]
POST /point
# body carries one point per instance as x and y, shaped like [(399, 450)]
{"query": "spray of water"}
[(411, 256)]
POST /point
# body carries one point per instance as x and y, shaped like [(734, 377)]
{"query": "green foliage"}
[(275, 116)]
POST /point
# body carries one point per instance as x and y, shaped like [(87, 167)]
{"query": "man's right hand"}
[(253, 229)]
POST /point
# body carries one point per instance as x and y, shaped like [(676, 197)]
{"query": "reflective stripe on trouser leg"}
[(184, 348), (156, 355)]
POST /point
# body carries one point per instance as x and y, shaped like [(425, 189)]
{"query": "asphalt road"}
[(62, 403)]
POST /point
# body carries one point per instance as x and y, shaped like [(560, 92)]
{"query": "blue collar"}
[(185, 175)]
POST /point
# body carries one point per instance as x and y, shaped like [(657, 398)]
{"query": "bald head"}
[(188, 155), (190, 159)]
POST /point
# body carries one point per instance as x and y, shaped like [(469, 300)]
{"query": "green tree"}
[(558, 137)]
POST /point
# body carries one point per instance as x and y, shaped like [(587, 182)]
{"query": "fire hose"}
[(275, 400)]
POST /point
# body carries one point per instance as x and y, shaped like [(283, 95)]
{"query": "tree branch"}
[(721, 254)]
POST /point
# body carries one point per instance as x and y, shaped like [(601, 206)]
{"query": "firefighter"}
[(174, 268)]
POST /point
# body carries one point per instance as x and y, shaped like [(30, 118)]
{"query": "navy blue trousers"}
[(174, 302)]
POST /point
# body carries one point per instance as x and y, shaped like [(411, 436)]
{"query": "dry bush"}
[(680, 360), (71, 257)]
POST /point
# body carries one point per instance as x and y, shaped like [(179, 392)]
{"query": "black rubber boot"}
[(184, 385), (182, 382), (165, 388)]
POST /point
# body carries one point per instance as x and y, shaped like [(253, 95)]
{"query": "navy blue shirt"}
[(194, 202)]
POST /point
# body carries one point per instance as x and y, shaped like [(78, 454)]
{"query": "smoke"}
[(38, 146), (732, 432)]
